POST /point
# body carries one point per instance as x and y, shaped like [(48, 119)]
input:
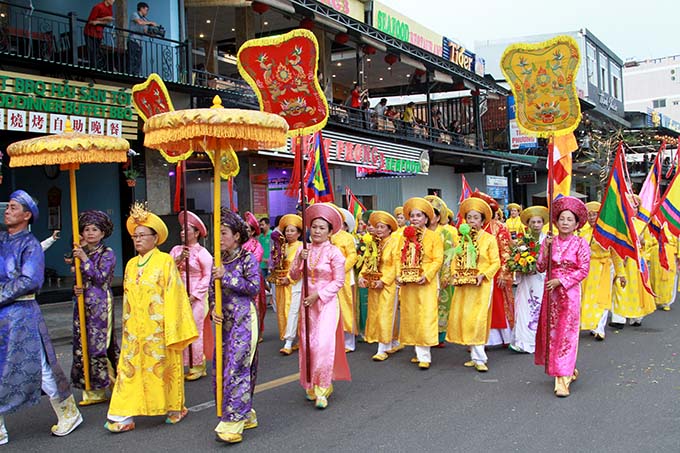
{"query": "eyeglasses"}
[(141, 235)]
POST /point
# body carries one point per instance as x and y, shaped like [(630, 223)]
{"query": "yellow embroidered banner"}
[(543, 81)]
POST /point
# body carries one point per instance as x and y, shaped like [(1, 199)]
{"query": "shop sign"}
[(372, 155), (42, 105), (518, 140), (609, 102), (458, 55), (351, 8), (395, 24)]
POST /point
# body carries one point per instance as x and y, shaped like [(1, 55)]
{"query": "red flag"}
[(354, 205), (465, 192), (317, 180)]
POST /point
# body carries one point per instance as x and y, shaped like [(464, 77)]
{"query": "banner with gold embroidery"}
[(543, 81), (282, 70)]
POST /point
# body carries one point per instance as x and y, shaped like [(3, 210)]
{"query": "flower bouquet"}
[(412, 255), (523, 254)]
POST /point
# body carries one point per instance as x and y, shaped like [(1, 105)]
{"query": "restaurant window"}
[(604, 73), (616, 82), (659, 103), (591, 64)]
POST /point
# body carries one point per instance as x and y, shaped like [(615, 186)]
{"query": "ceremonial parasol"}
[(69, 150), (219, 132)]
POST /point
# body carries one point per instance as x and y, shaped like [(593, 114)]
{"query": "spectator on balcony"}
[(409, 118), (138, 25), (100, 16)]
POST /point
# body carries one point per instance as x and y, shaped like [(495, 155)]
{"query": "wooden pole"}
[(187, 281), (79, 275), (305, 284), (551, 193), (217, 205)]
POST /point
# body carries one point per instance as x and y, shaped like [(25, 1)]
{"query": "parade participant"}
[(200, 270), (529, 285), (472, 271), (664, 282), (503, 304), (558, 329), (28, 362), (97, 263), (439, 226), (378, 275), (596, 300), (514, 222), (401, 219), (326, 268), (158, 325), (265, 241), (239, 276), (422, 254), (344, 241), (288, 291), (362, 293), (252, 244), (49, 241), (632, 301)]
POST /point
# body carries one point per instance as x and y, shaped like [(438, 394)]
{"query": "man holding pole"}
[(28, 361)]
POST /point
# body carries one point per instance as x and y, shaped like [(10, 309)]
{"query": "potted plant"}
[(131, 176)]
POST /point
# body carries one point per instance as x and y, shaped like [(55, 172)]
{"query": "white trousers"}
[(621, 320), (478, 354), (293, 314), (603, 322), (49, 382), (350, 341), (423, 354)]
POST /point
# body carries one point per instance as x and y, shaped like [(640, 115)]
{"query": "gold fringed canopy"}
[(68, 148), (179, 133)]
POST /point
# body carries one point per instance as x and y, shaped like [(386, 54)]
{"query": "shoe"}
[(295, 347), (230, 438), (516, 349), (441, 345), (251, 422), (4, 437), (469, 363), (115, 427), (321, 402), (424, 365), (348, 350), (195, 376), (575, 376), (380, 357), (666, 308), (260, 340), (562, 393), (310, 395), (69, 417), (636, 323), (616, 325), (286, 351), (481, 367), (175, 417), (92, 402), (599, 337), (395, 349), (415, 360)]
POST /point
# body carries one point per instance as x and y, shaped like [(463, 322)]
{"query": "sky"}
[(632, 29)]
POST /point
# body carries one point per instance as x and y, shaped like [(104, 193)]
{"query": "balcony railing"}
[(58, 38)]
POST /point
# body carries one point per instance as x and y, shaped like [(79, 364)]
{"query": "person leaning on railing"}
[(138, 24), (100, 16)]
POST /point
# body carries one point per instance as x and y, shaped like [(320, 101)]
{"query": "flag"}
[(615, 228), (650, 192), (465, 192), (559, 164), (354, 205), (650, 196), (668, 209), (317, 180)]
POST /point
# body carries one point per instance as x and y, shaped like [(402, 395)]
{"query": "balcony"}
[(33, 34)]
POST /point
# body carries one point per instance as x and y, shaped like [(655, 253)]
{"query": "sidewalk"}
[(59, 319)]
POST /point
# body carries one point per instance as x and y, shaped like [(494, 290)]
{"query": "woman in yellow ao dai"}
[(418, 300), (470, 316), (288, 290), (158, 325), (382, 292)]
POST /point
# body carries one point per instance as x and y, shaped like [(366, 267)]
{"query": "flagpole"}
[(551, 192), (305, 285), (183, 166)]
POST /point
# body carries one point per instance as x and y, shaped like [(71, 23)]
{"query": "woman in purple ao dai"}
[(558, 328), (240, 279)]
